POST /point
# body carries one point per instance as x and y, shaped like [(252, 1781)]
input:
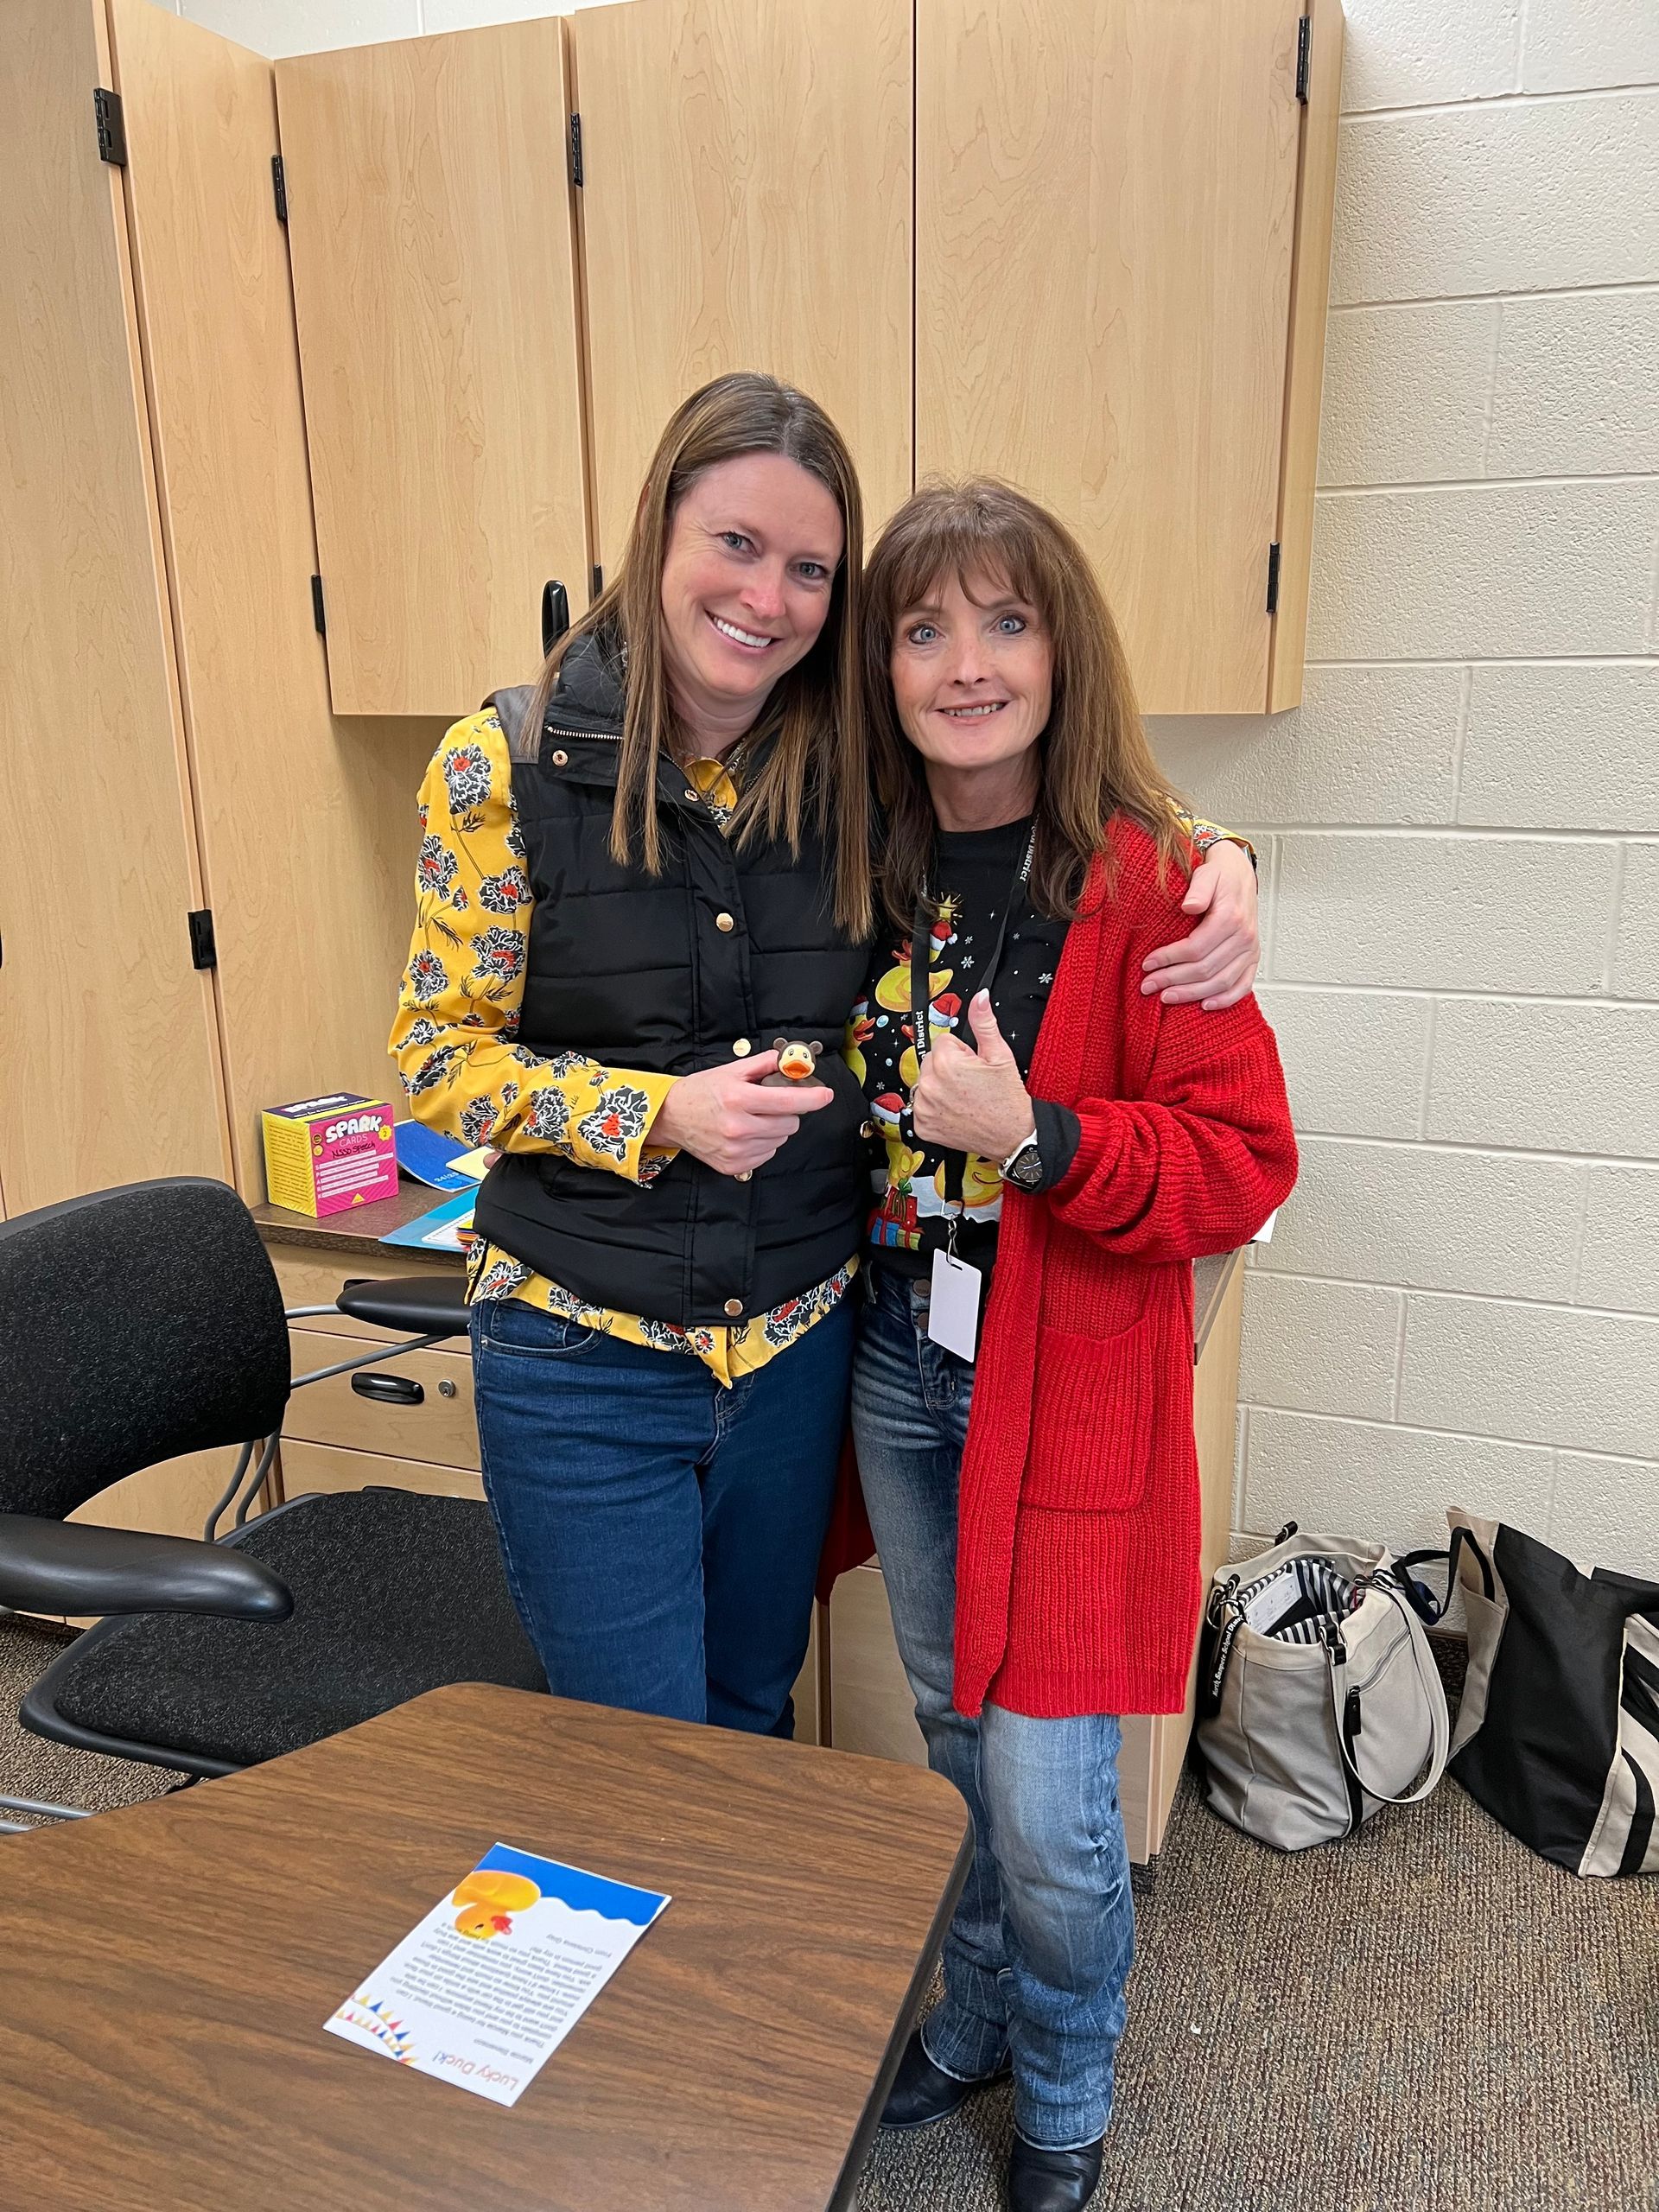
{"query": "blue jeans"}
[(661, 1532), (1039, 1949)]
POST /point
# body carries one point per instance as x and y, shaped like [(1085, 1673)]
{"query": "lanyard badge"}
[(956, 1286)]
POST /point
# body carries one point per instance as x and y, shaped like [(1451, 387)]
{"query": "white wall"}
[(278, 27), (1460, 827), (1462, 820)]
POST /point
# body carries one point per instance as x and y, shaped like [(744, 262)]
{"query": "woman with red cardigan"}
[(1028, 1460)]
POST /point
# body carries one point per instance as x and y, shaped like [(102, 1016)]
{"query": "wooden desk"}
[(166, 1970)]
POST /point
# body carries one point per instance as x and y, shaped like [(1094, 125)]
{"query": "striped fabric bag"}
[(1558, 1734), (1318, 1699)]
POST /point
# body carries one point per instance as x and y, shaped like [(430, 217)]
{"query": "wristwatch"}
[(1024, 1166)]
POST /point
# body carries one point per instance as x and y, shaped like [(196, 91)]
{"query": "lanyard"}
[(921, 929)]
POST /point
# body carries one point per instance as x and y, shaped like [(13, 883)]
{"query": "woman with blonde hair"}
[(1058, 1136), (635, 875)]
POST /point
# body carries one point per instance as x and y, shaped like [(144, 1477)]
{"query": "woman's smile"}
[(748, 641)]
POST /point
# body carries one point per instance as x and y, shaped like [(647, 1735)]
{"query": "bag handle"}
[(1439, 1722), (1435, 1609)]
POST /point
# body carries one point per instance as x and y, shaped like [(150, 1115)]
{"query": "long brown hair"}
[(1095, 759), (818, 768)]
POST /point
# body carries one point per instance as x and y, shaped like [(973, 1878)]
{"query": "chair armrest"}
[(65, 1567), (415, 1305)]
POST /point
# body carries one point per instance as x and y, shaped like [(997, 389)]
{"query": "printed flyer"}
[(492, 1981)]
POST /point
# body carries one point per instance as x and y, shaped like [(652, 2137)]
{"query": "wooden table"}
[(168, 1969)]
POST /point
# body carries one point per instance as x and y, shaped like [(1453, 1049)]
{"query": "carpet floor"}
[(1426, 2018)]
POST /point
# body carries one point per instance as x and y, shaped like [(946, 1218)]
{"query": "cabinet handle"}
[(556, 615), (388, 1390)]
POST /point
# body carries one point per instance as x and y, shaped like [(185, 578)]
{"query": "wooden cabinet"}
[(168, 736), (430, 221), (1080, 243), (745, 204), (171, 757), (108, 1046), (869, 1704), (1114, 204)]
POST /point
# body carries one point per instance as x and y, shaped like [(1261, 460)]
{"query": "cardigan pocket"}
[(1090, 1421)]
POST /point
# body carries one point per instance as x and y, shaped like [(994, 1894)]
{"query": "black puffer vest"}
[(721, 953)]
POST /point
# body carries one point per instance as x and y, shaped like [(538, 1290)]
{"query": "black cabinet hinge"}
[(203, 951), (1304, 55), (576, 149), (317, 615), (599, 582), (111, 131), (1272, 579), (279, 186)]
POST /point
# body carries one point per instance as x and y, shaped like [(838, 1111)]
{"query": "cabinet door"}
[(1105, 201), (307, 825), (107, 1055), (430, 227), (747, 205)]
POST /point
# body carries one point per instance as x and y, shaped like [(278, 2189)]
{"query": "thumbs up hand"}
[(972, 1100)]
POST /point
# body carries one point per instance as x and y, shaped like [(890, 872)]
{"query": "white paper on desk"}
[(492, 1981)]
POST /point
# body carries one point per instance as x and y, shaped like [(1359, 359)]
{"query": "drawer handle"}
[(388, 1390)]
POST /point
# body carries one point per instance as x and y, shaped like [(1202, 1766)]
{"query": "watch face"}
[(1025, 1170)]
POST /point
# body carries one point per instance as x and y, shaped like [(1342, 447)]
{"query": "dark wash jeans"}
[(661, 1533), (1039, 1947)]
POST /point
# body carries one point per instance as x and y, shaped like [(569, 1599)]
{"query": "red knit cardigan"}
[(1077, 1546)]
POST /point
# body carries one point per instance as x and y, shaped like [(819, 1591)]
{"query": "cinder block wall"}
[(1461, 826)]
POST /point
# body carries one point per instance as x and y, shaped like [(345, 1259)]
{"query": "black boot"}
[(923, 2091), (1052, 2181)]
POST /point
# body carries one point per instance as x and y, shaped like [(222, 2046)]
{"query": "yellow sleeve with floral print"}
[(1205, 834), (455, 1037)]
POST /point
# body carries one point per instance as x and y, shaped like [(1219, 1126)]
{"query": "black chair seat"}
[(394, 1593), (414, 1306)]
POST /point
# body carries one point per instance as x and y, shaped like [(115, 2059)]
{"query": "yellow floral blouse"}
[(455, 1042)]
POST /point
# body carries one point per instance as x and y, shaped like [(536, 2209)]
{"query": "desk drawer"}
[(441, 1428), (321, 1466)]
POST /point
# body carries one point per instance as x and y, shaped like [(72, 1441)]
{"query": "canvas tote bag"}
[(1319, 1699), (1558, 1732)]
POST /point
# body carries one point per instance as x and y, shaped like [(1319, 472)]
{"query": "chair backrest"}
[(135, 1324)]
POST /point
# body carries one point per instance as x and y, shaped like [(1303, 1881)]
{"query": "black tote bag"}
[(1558, 1732)]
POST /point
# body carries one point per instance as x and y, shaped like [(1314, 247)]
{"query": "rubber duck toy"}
[(797, 1063)]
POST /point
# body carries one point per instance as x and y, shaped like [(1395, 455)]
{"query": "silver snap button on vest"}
[(725, 924), (742, 1048), (734, 1306), (560, 760), (744, 1174), (689, 794)]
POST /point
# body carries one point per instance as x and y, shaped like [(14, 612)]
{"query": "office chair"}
[(139, 1324)]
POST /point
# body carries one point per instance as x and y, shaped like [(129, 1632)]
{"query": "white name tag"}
[(953, 1307)]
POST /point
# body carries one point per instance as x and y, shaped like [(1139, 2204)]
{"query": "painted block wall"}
[(1459, 827), (1461, 822)]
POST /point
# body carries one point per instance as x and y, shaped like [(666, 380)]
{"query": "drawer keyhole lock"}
[(446, 1389)]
